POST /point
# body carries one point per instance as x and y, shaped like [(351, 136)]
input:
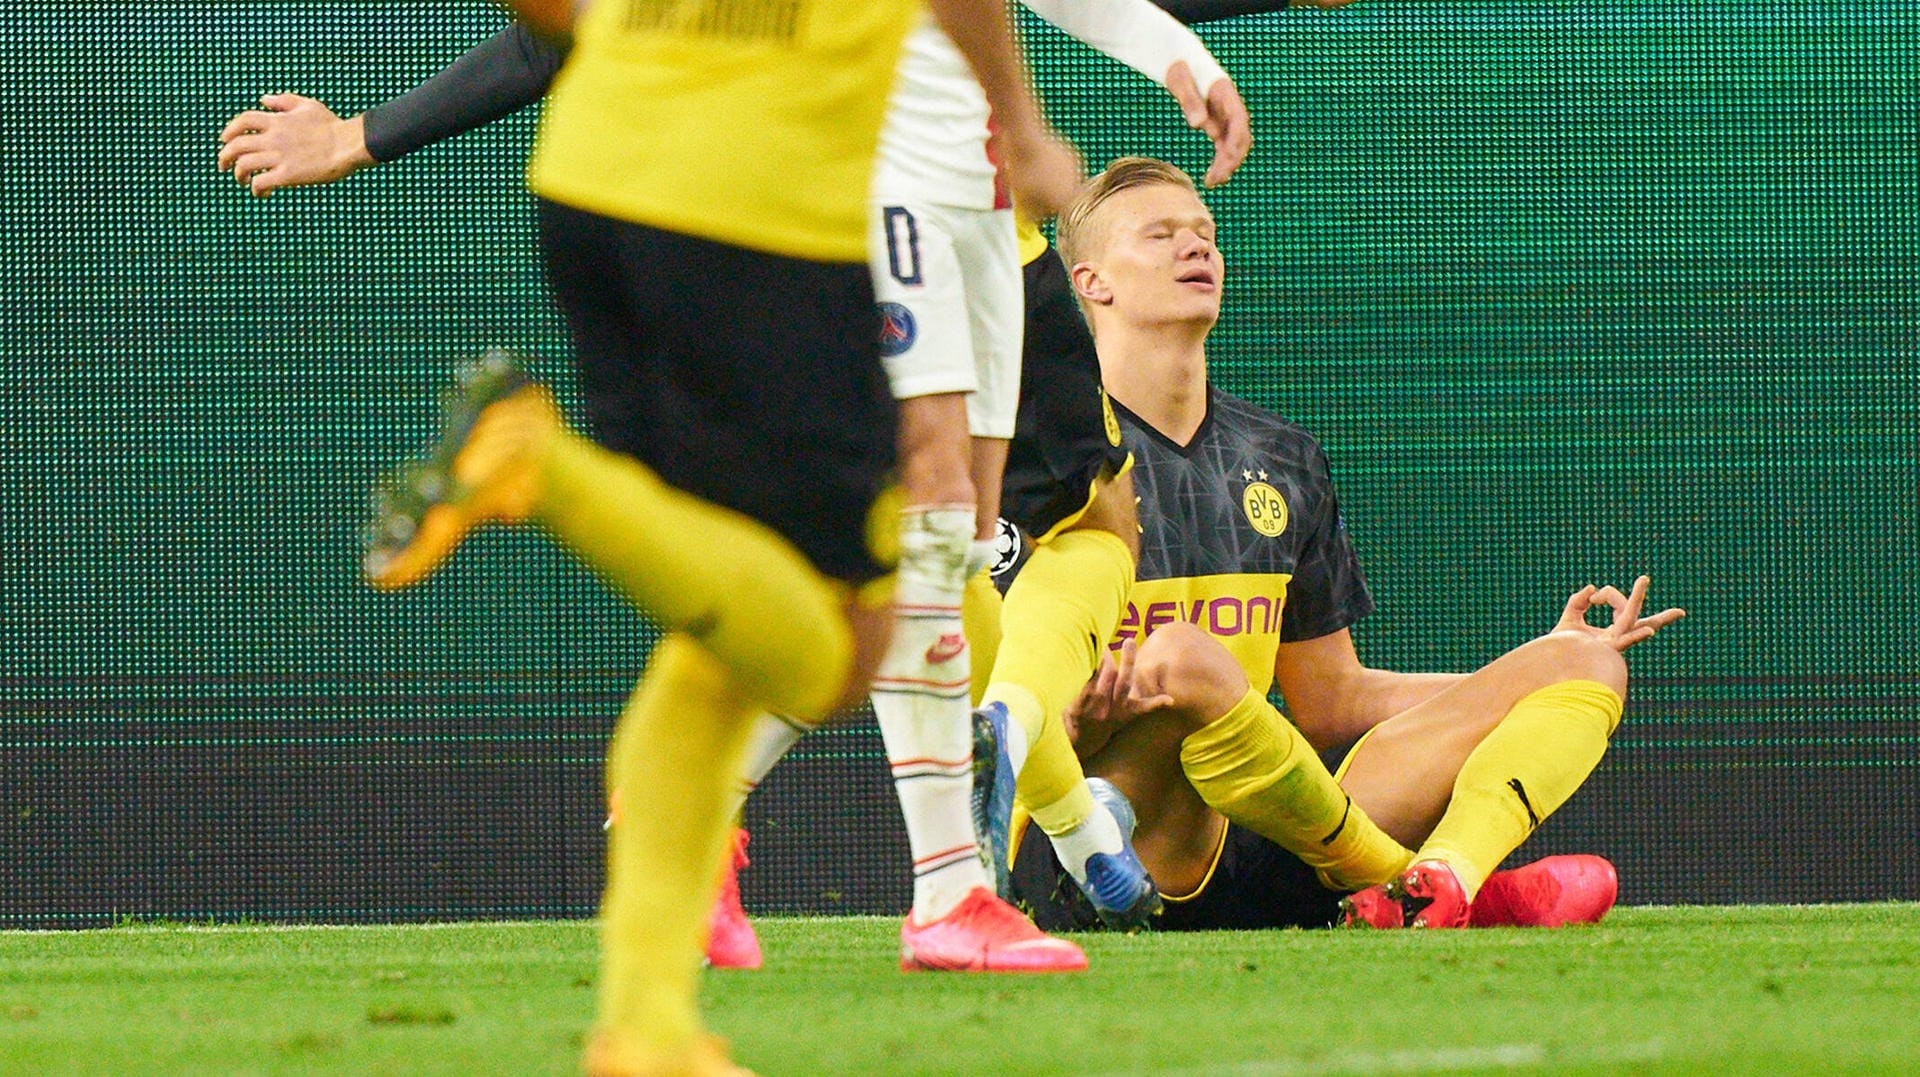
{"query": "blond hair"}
[(1075, 232)]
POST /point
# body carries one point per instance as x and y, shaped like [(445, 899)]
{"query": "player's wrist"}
[(350, 153)]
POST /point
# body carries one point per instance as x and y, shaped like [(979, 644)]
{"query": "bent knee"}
[(1567, 656), (1185, 663)]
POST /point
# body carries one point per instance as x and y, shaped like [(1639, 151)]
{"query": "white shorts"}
[(952, 308)]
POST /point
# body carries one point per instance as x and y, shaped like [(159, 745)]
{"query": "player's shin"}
[(920, 696), (1252, 766), (751, 598), (980, 609), (1058, 615), (731, 940), (674, 759), (1529, 765)]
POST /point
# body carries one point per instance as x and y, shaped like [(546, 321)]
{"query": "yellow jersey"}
[(749, 122), (1033, 242)]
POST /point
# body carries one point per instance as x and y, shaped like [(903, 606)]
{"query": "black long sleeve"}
[(496, 78), (1192, 11)]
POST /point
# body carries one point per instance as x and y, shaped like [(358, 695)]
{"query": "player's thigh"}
[(989, 256), (748, 379), (920, 286), (1402, 772)]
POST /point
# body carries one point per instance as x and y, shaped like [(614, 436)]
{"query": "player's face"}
[(1159, 260)]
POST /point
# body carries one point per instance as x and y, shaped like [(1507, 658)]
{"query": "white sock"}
[(981, 555), (920, 698), (771, 737), (1097, 833), (1014, 738)]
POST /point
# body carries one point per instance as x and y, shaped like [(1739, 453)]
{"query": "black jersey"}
[(1241, 534)]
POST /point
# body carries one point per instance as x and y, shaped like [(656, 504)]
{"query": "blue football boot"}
[(1117, 883), (993, 780)]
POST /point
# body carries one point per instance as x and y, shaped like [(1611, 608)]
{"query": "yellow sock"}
[(743, 591), (675, 757), (980, 620), (1527, 767), (1059, 614), (1252, 766)]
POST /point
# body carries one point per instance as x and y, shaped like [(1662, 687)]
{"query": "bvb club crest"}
[(1266, 509)]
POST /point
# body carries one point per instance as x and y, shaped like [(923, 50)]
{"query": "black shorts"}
[(748, 379), (1065, 436), (1255, 884)]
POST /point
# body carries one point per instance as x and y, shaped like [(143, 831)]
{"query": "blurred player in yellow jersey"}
[(943, 252), (1247, 582), (702, 171)]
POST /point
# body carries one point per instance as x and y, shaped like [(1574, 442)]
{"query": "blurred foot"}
[(731, 942), (985, 934), (484, 467)]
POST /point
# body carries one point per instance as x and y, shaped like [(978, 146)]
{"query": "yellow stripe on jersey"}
[(749, 122), (1242, 611), (1033, 243)]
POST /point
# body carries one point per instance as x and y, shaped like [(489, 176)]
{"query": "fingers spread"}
[(245, 165), (1628, 639), (1637, 599), (1663, 618), (244, 124)]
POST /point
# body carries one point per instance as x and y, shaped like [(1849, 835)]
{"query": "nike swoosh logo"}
[(946, 648)]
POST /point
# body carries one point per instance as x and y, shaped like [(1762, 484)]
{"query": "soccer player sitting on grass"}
[(1247, 582)]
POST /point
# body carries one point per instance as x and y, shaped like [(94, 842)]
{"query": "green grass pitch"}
[(1752, 990)]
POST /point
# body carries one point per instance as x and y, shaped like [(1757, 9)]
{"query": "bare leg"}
[(1177, 832), (1403, 773)]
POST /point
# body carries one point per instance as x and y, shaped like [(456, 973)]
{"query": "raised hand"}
[(1628, 627), (1220, 114), (291, 141)]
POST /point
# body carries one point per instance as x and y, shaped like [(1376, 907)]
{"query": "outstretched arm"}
[(296, 141), (1044, 171), (1152, 42), (1192, 11), (1334, 699), (493, 80)]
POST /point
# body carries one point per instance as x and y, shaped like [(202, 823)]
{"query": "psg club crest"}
[(897, 329)]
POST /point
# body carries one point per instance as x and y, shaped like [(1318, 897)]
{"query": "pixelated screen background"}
[(1570, 291)]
